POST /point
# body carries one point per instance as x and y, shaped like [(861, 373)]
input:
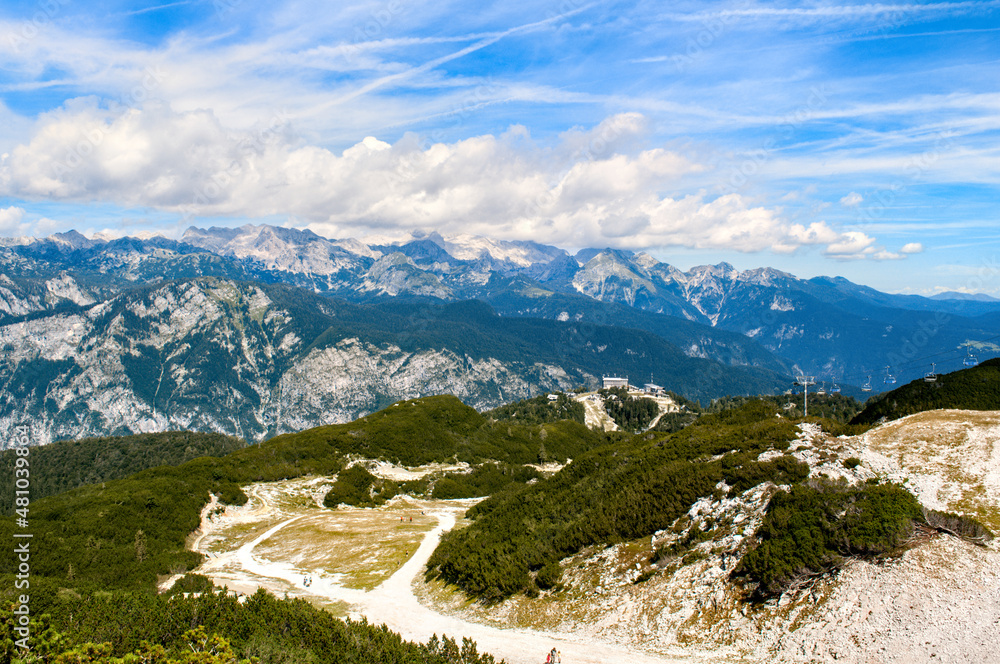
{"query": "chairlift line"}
[(805, 382), (931, 377), (889, 378)]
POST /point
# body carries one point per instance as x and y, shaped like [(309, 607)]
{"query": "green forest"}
[(975, 388), (539, 410), (215, 627), (65, 465), (639, 486), (89, 533), (630, 413)]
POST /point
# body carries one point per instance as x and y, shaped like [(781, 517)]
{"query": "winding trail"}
[(394, 603)]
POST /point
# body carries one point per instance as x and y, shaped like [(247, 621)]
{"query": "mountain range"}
[(257, 330)]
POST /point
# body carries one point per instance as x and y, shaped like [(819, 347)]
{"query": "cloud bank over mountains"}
[(586, 189)]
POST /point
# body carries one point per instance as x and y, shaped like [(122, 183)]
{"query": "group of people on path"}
[(554, 657)]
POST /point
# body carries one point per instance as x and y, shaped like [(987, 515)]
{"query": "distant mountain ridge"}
[(828, 327), (255, 360)]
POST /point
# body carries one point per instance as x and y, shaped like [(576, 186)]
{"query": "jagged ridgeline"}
[(68, 464), (89, 534), (975, 388)]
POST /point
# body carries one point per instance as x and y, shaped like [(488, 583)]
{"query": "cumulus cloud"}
[(592, 189), (883, 255), (11, 221), (852, 245), (16, 222), (853, 199), (912, 248)]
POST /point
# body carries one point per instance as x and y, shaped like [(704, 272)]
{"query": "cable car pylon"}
[(805, 382)]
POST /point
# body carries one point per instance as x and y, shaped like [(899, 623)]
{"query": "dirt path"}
[(595, 417), (394, 603)]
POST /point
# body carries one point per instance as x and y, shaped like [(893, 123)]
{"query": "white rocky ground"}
[(596, 417), (938, 602), (243, 561)]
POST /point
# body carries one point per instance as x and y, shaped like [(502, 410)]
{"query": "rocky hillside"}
[(255, 360), (828, 327), (936, 599)]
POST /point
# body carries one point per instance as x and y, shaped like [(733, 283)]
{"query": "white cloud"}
[(912, 248), (587, 191), (853, 199), (832, 12), (11, 219), (852, 245), (16, 222)]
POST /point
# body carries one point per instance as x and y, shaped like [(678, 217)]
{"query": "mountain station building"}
[(614, 381)]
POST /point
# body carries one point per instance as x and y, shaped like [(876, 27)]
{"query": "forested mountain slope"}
[(975, 388)]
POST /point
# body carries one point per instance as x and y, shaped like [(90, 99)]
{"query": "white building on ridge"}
[(614, 381)]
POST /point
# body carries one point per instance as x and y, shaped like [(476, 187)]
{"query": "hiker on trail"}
[(553, 657), (559, 657)]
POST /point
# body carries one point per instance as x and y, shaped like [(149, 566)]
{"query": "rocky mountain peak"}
[(72, 239)]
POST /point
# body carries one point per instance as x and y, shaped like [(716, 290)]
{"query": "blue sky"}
[(860, 140)]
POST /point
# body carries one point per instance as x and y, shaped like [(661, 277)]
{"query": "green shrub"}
[(356, 486), (809, 531), (484, 480), (549, 576), (192, 583)]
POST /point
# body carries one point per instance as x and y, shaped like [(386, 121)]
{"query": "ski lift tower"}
[(805, 382)]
